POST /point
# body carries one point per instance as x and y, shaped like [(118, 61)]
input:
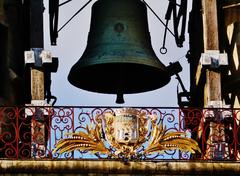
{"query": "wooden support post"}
[(212, 90), (36, 41), (37, 79), (37, 84)]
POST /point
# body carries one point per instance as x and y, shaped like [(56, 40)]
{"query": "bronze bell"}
[(119, 58)]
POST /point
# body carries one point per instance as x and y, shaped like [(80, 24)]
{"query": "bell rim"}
[(150, 77)]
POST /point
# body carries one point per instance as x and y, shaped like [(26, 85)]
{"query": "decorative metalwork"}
[(17, 140), (126, 130)]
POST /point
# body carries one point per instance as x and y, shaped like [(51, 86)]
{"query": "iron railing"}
[(33, 132)]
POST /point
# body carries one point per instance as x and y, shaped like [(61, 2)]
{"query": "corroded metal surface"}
[(117, 167), (119, 58)]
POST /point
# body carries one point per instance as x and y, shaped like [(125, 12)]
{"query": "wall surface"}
[(118, 167)]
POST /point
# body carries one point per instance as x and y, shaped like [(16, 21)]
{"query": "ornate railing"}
[(33, 132)]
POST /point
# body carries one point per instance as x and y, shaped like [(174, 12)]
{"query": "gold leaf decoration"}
[(90, 141), (94, 139), (162, 140)]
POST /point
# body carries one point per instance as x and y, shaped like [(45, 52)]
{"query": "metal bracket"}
[(214, 58), (38, 57), (215, 104), (36, 110), (221, 114), (183, 99)]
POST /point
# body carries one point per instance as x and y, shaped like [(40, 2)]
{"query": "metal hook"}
[(163, 50)]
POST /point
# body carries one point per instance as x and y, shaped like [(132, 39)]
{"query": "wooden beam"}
[(37, 84), (38, 139), (210, 24), (211, 42), (212, 89), (36, 41)]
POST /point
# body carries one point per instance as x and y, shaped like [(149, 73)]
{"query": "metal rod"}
[(230, 6), (64, 3), (163, 49), (175, 3), (182, 85), (158, 17), (75, 15)]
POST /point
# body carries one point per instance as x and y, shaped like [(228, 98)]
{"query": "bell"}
[(119, 58)]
